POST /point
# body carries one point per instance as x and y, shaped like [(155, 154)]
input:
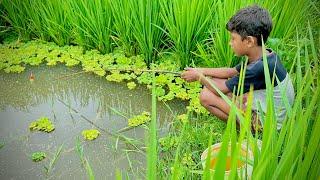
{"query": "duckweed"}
[(139, 119), (38, 156), (15, 56), (90, 134), (131, 85), (42, 124)]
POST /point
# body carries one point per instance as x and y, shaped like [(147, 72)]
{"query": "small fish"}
[(31, 77)]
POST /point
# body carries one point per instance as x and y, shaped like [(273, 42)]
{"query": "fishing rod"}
[(176, 73)]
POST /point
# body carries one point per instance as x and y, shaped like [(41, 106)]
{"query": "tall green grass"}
[(55, 20), (92, 21), (84, 161), (149, 27), (284, 14), (187, 23), (145, 27), (122, 26), (16, 13)]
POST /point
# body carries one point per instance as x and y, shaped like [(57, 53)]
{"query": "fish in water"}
[(31, 77)]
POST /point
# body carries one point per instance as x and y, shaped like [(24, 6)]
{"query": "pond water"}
[(75, 103)]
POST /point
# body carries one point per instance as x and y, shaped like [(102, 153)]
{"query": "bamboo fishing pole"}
[(176, 73)]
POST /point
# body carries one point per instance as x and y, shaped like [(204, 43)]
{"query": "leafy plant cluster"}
[(188, 28), (38, 156), (90, 134), (139, 119), (116, 67), (42, 124), (189, 136)]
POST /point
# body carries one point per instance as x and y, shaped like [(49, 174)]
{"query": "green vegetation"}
[(114, 66), (42, 124), (139, 119), (38, 156), (90, 134), (193, 31), (131, 85), (121, 39), (84, 160), (53, 160)]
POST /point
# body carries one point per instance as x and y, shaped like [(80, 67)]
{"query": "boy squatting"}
[(247, 28)]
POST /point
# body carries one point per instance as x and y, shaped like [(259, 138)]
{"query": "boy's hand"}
[(191, 74)]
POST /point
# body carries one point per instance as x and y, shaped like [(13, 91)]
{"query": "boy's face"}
[(238, 45)]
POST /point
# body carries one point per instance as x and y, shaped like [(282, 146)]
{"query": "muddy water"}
[(75, 103)]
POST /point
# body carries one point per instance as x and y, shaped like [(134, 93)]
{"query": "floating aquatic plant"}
[(42, 124), (131, 85), (90, 134), (38, 156), (139, 119), (14, 55)]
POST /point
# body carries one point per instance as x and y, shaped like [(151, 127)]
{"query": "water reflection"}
[(102, 102), (18, 92)]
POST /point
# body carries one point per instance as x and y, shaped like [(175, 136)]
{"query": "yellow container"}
[(242, 165)]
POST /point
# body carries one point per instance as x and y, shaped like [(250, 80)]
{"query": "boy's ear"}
[(252, 41)]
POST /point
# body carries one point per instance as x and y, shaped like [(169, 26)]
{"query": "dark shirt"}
[(255, 74)]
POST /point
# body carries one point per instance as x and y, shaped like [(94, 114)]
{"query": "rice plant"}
[(53, 160), (145, 27), (48, 20), (186, 23), (288, 16), (16, 13), (122, 25), (92, 22)]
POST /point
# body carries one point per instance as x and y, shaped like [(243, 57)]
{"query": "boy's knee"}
[(206, 97)]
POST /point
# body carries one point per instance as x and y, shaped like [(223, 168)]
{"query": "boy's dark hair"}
[(251, 21)]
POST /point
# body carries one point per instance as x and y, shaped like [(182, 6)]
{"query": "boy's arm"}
[(192, 74), (222, 73)]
